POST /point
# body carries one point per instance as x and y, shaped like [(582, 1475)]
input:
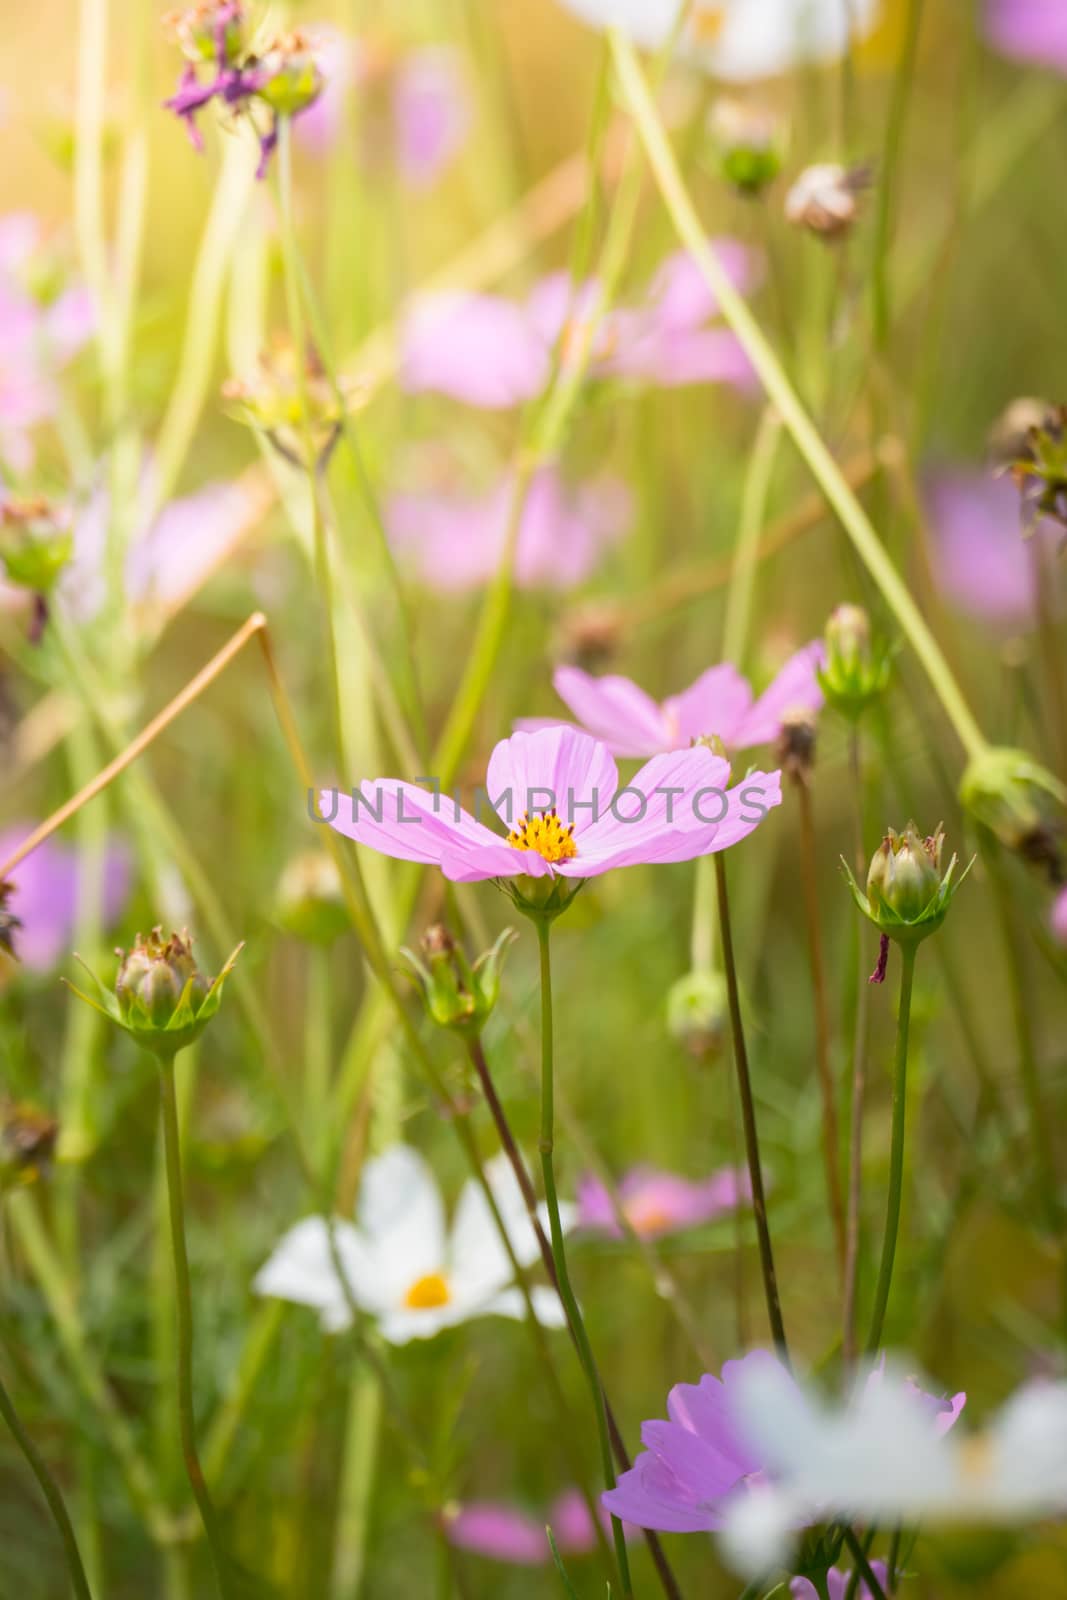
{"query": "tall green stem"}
[(36, 1463), (781, 392), (187, 1419), (559, 1255), (748, 1116), (896, 1154)]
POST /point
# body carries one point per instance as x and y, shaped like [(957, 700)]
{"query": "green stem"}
[(859, 1082), (50, 1490), (187, 1420), (559, 1255), (881, 314), (748, 1116), (781, 392), (896, 1154), (863, 1566)]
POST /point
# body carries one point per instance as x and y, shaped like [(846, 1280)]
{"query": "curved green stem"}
[(50, 1490), (896, 1154), (559, 1255), (781, 392), (183, 1294)]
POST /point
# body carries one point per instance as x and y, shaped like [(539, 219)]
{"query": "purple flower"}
[(981, 560), (1058, 917), (695, 1465), (558, 791), (46, 889), (496, 353), (504, 1533), (426, 111), (720, 702), (837, 1583), (656, 1203), (458, 539), (1029, 30)]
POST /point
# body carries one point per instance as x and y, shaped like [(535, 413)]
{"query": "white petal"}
[(402, 1219), (1029, 1453), (401, 1325), (302, 1269), (479, 1260), (757, 1532)]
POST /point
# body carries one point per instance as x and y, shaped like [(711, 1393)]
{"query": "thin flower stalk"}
[(50, 1489), (748, 1117), (780, 391), (854, 1213), (896, 1153), (559, 1256)]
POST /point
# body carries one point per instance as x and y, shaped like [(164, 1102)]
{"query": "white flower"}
[(878, 1460), (739, 39), (401, 1264)]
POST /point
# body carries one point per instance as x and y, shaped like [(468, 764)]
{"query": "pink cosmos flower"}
[(696, 1463), (1029, 30), (1058, 917), (720, 702), (504, 1533), (496, 353), (837, 1583), (981, 560), (457, 539), (656, 1203), (558, 792), (37, 338), (47, 884), (427, 110)]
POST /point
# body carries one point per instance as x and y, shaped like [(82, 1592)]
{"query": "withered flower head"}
[(27, 1143), (825, 199), (796, 743)]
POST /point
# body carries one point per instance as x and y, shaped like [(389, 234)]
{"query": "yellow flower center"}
[(546, 835), (707, 23), (976, 1459), (646, 1217), (428, 1292)]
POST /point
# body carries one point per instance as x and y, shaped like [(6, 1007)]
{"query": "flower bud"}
[(856, 671), (294, 78), (35, 543), (747, 140), (825, 199), (458, 996), (1009, 437), (1020, 802), (161, 997), (273, 401), (27, 1144), (697, 1013), (210, 31), (310, 901), (796, 743), (907, 894), (1040, 470)]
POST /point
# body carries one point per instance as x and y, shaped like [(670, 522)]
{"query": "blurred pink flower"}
[(166, 562), (720, 702), (496, 353), (37, 338), (837, 1583), (656, 1203), (45, 899), (1058, 917), (504, 1533), (1029, 30), (427, 108), (457, 540), (981, 559)]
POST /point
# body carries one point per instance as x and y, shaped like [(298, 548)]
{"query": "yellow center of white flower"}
[(428, 1292), (976, 1459), (706, 23), (545, 835)]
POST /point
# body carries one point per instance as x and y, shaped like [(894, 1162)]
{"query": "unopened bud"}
[(1020, 802), (1010, 435), (748, 142), (907, 895), (36, 541), (697, 1013), (161, 997), (274, 401), (210, 31), (310, 901), (1040, 470), (457, 995), (590, 635), (856, 670), (825, 199), (294, 78)]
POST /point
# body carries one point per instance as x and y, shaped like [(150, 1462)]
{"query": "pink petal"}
[(432, 111), (400, 820), (615, 710), (679, 296), (796, 688), (481, 349), (559, 766), (716, 703), (1029, 30), (500, 1532)]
